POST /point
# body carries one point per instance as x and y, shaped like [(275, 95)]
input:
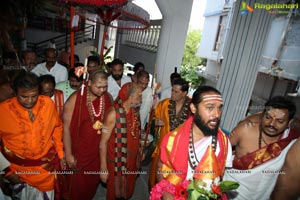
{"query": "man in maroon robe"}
[(124, 150), (85, 126)]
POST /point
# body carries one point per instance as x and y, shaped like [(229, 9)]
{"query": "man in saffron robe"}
[(184, 148), (31, 134), (169, 114), (124, 152), (85, 127), (261, 143)]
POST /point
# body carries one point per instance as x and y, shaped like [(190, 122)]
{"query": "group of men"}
[(71, 141), (264, 159), (53, 141)]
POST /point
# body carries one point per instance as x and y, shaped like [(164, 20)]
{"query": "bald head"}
[(98, 83), (98, 74), (132, 89)]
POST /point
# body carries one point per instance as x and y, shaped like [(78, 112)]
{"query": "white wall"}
[(213, 71), (208, 38), (272, 43), (133, 55), (213, 10), (83, 49), (288, 55), (37, 35)]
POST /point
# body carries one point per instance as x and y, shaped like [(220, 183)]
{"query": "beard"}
[(204, 127), (117, 76), (50, 63)]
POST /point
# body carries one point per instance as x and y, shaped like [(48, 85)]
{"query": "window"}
[(220, 31)]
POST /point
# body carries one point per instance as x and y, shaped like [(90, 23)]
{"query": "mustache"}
[(271, 127), (117, 76), (217, 120)]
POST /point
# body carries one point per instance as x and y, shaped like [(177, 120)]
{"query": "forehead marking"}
[(211, 97), (276, 113)]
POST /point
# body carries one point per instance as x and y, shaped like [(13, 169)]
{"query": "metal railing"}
[(144, 39), (63, 41), (86, 32)]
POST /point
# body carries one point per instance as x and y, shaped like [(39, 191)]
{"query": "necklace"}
[(192, 153), (100, 107), (261, 138), (176, 120), (97, 125)]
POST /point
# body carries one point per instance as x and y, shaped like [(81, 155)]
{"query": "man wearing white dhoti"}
[(261, 143)]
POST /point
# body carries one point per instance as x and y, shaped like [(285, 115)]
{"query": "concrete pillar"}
[(243, 50), (175, 23)]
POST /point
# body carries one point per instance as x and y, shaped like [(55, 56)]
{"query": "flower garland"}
[(192, 190), (97, 124), (179, 191)]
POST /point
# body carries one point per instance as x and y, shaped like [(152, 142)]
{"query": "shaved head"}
[(98, 74)]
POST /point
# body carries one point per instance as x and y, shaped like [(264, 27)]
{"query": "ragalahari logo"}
[(245, 8)]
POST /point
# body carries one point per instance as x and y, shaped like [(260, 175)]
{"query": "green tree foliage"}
[(190, 61)]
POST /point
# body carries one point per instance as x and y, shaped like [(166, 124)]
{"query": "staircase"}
[(62, 42)]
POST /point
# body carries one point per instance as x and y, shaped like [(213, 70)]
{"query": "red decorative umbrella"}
[(99, 3), (128, 15)]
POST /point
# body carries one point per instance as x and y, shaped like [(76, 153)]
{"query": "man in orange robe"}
[(169, 114), (31, 134), (124, 150), (183, 149)]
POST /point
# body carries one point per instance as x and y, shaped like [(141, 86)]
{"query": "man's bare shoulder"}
[(70, 103), (248, 127), (252, 119), (72, 98)]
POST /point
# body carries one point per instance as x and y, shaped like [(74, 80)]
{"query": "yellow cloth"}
[(160, 112)]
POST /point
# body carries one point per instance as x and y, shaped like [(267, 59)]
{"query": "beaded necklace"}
[(193, 160), (176, 120), (97, 125)]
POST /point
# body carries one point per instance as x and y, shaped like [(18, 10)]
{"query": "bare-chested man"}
[(260, 148)]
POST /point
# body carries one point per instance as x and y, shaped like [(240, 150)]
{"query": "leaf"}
[(107, 52), (94, 53), (228, 185)]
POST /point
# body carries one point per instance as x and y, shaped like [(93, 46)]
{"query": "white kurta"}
[(147, 100), (113, 87), (59, 72)]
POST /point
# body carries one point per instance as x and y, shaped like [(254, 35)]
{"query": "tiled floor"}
[(141, 187)]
